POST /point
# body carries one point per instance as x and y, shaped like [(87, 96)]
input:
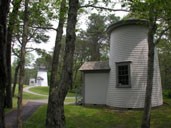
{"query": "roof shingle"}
[(95, 65)]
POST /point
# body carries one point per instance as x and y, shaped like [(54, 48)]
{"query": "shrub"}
[(167, 93)]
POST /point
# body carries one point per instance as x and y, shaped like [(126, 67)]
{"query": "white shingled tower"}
[(42, 79), (122, 81)]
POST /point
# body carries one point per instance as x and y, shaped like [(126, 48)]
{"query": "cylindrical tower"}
[(42, 79), (128, 62)]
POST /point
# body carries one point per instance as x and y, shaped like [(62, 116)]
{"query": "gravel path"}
[(26, 89), (28, 109)]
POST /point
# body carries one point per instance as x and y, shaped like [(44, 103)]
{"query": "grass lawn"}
[(45, 91), (40, 90), (70, 100), (28, 96), (100, 117)]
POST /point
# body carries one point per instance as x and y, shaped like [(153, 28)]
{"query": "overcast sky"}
[(82, 21), (82, 24)]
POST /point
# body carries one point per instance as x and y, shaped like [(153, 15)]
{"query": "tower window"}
[(123, 75)]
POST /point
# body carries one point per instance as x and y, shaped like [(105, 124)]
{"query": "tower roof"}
[(127, 22), (42, 68)]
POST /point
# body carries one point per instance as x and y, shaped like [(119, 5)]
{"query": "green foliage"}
[(157, 12), (167, 93), (29, 73), (164, 48), (45, 59), (29, 58), (39, 21), (96, 35)]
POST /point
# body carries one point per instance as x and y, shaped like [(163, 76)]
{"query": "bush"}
[(167, 93)]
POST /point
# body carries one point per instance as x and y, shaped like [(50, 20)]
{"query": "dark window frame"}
[(127, 75)]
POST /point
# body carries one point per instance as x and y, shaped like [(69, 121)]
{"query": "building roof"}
[(42, 68), (95, 66), (126, 22)]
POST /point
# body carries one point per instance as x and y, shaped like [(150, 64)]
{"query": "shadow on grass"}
[(102, 117)]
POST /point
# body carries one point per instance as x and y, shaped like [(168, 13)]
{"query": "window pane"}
[(123, 74)]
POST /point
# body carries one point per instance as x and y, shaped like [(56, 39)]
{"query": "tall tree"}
[(22, 63), (11, 26), (158, 14), (38, 24), (15, 78), (4, 8), (96, 35), (57, 119), (55, 114)]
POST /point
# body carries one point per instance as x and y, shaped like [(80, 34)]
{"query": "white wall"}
[(129, 43), (95, 88), (42, 74)]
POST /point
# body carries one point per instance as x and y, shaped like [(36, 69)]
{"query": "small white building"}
[(122, 81), (42, 79), (32, 82), (95, 86)]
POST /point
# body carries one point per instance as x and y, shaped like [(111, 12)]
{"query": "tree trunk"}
[(12, 20), (148, 96), (22, 64), (4, 8), (15, 79), (95, 50), (53, 80), (55, 114)]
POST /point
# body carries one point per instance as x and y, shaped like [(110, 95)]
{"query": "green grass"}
[(38, 117), (28, 96), (100, 117), (45, 91), (40, 90), (70, 100)]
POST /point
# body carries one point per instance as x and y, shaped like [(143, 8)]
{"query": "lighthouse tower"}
[(42, 76)]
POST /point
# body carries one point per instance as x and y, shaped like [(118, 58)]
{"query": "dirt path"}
[(27, 89), (28, 109)]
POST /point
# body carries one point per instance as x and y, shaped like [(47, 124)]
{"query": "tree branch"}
[(103, 8), (31, 36), (15, 53), (48, 28), (30, 49), (161, 34), (18, 39)]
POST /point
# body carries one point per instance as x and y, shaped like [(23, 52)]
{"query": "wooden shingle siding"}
[(129, 54), (129, 43), (96, 88)]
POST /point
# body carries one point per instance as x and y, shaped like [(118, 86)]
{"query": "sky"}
[(48, 46)]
